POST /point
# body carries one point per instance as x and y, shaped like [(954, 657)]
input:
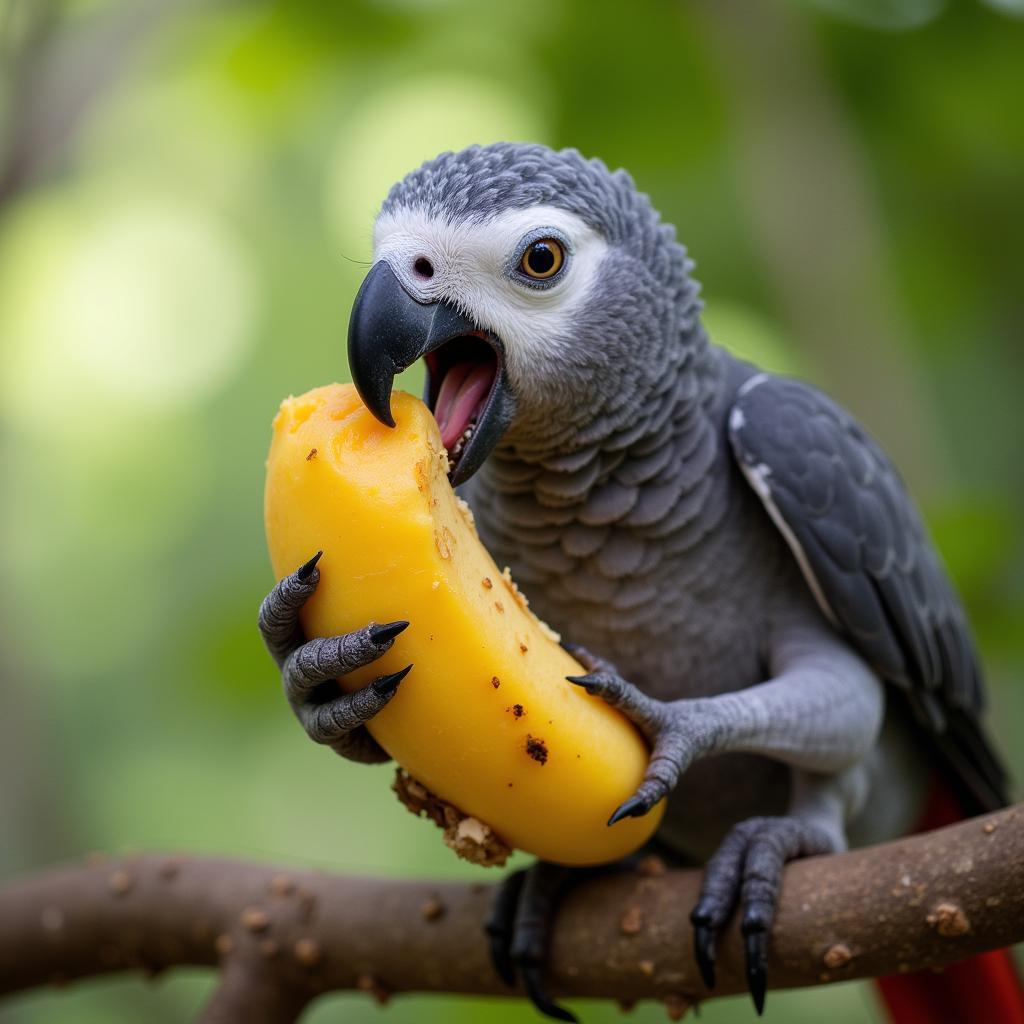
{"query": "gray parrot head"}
[(542, 290)]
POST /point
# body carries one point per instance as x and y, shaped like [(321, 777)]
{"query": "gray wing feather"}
[(865, 553)]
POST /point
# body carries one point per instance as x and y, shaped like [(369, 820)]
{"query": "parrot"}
[(731, 557)]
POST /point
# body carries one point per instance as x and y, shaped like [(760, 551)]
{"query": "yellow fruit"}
[(486, 719)]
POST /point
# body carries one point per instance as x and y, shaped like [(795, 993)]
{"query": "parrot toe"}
[(330, 720), (677, 732), (501, 923), (634, 807), (645, 711), (519, 930), (704, 949), (653, 719), (590, 661), (755, 951), (310, 669), (279, 612)]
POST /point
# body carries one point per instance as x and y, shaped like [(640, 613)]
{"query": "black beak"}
[(389, 330)]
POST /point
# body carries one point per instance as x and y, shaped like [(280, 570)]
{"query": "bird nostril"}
[(424, 267)]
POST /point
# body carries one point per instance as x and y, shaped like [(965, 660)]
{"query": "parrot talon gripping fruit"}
[(634, 807), (380, 635), (385, 686), (305, 570), (765, 603), (677, 733), (309, 669)]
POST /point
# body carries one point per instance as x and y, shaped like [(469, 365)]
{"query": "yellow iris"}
[(542, 259)]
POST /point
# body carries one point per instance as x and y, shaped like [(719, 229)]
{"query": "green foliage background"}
[(847, 174)]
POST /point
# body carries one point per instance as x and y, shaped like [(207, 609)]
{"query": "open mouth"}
[(461, 378), (467, 385)]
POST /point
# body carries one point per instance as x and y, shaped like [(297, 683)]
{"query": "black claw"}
[(704, 952), (534, 985), (634, 807), (586, 680), (755, 946), (386, 685), (500, 960), (306, 570), (380, 635)]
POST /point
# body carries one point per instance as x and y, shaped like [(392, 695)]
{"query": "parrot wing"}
[(864, 551)]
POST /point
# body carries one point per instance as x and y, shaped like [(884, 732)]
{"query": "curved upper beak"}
[(389, 330)]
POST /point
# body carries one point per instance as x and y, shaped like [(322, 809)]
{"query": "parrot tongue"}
[(463, 392)]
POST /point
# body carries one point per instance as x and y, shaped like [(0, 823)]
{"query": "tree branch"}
[(281, 938), (249, 995)]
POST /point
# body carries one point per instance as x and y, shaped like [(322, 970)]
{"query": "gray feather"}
[(864, 549)]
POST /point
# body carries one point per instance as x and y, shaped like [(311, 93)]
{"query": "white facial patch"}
[(470, 260)]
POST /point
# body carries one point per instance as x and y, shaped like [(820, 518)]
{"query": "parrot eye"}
[(542, 259)]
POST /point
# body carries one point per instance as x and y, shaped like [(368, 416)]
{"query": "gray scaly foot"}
[(310, 669), (747, 869)]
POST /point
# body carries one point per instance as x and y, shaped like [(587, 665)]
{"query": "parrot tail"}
[(983, 989)]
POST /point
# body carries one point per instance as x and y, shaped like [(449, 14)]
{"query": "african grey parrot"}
[(734, 559)]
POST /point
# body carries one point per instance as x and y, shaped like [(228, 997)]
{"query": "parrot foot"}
[(678, 732), (519, 928), (310, 669), (747, 869)]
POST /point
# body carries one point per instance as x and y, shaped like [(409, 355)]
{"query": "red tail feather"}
[(983, 989)]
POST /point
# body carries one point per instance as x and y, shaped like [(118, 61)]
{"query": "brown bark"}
[(282, 937)]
